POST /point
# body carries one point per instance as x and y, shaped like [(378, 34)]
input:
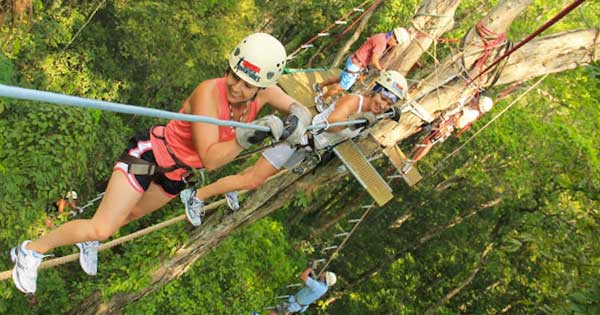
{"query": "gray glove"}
[(247, 137), (296, 124), (368, 116)]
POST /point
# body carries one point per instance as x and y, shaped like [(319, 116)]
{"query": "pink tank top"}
[(178, 134)]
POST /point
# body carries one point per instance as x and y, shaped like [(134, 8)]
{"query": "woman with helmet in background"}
[(153, 168), (390, 88), (459, 118), (368, 55)]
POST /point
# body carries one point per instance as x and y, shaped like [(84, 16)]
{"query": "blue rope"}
[(61, 99)]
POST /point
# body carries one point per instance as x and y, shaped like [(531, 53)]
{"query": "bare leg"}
[(335, 89), (119, 200), (250, 178), (153, 199), (422, 150), (329, 82)]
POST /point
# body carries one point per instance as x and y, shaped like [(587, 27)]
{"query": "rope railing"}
[(129, 237)]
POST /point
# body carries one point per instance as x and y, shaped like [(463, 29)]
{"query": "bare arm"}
[(344, 107), (205, 137), (375, 61), (305, 274)]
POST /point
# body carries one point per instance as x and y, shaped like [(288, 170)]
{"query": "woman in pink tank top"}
[(151, 170)]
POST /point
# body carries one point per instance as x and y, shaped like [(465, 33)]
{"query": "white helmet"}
[(71, 195), (402, 35), (485, 104), (330, 278), (394, 82), (258, 59)]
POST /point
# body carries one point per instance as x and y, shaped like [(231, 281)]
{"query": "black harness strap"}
[(137, 166)]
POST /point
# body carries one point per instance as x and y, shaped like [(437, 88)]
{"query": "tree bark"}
[(549, 54), (433, 233), (433, 18), (433, 309)]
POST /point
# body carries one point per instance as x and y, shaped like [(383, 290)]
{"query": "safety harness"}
[(137, 166)]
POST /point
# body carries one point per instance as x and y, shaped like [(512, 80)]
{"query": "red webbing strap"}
[(542, 28)]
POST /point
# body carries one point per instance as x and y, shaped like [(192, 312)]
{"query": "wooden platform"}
[(299, 85), (364, 172), (397, 157)]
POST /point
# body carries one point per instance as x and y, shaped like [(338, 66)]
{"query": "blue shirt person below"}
[(313, 290)]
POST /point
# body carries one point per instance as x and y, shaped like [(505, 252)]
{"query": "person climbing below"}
[(390, 87), (69, 201), (457, 117), (368, 54), (314, 288), (154, 166)]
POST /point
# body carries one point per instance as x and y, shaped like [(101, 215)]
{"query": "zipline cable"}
[(62, 99), (349, 27)]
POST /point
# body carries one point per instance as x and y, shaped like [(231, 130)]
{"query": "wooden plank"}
[(299, 85), (397, 157), (364, 172)]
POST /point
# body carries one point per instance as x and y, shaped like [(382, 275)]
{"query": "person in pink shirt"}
[(153, 168), (367, 55)]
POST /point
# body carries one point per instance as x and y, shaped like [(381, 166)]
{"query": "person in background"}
[(314, 288), (368, 55), (69, 201), (458, 117)]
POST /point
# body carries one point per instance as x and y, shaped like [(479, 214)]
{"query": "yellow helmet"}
[(258, 59)]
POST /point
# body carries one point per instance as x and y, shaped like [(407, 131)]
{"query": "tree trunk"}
[(433, 233), (433, 18), (433, 309), (550, 54)]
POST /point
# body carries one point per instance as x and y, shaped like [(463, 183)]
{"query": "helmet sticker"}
[(248, 68)]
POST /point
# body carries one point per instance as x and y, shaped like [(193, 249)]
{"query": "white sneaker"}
[(25, 272), (88, 256), (193, 206), (319, 104), (408, 165), (232, 200), (316, 87)]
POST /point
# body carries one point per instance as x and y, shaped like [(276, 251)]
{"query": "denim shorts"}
[(349, 74)]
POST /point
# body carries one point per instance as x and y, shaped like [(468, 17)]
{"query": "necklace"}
[(231, 114)]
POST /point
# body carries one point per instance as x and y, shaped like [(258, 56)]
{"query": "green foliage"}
[(541, 159), (231, 280)]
